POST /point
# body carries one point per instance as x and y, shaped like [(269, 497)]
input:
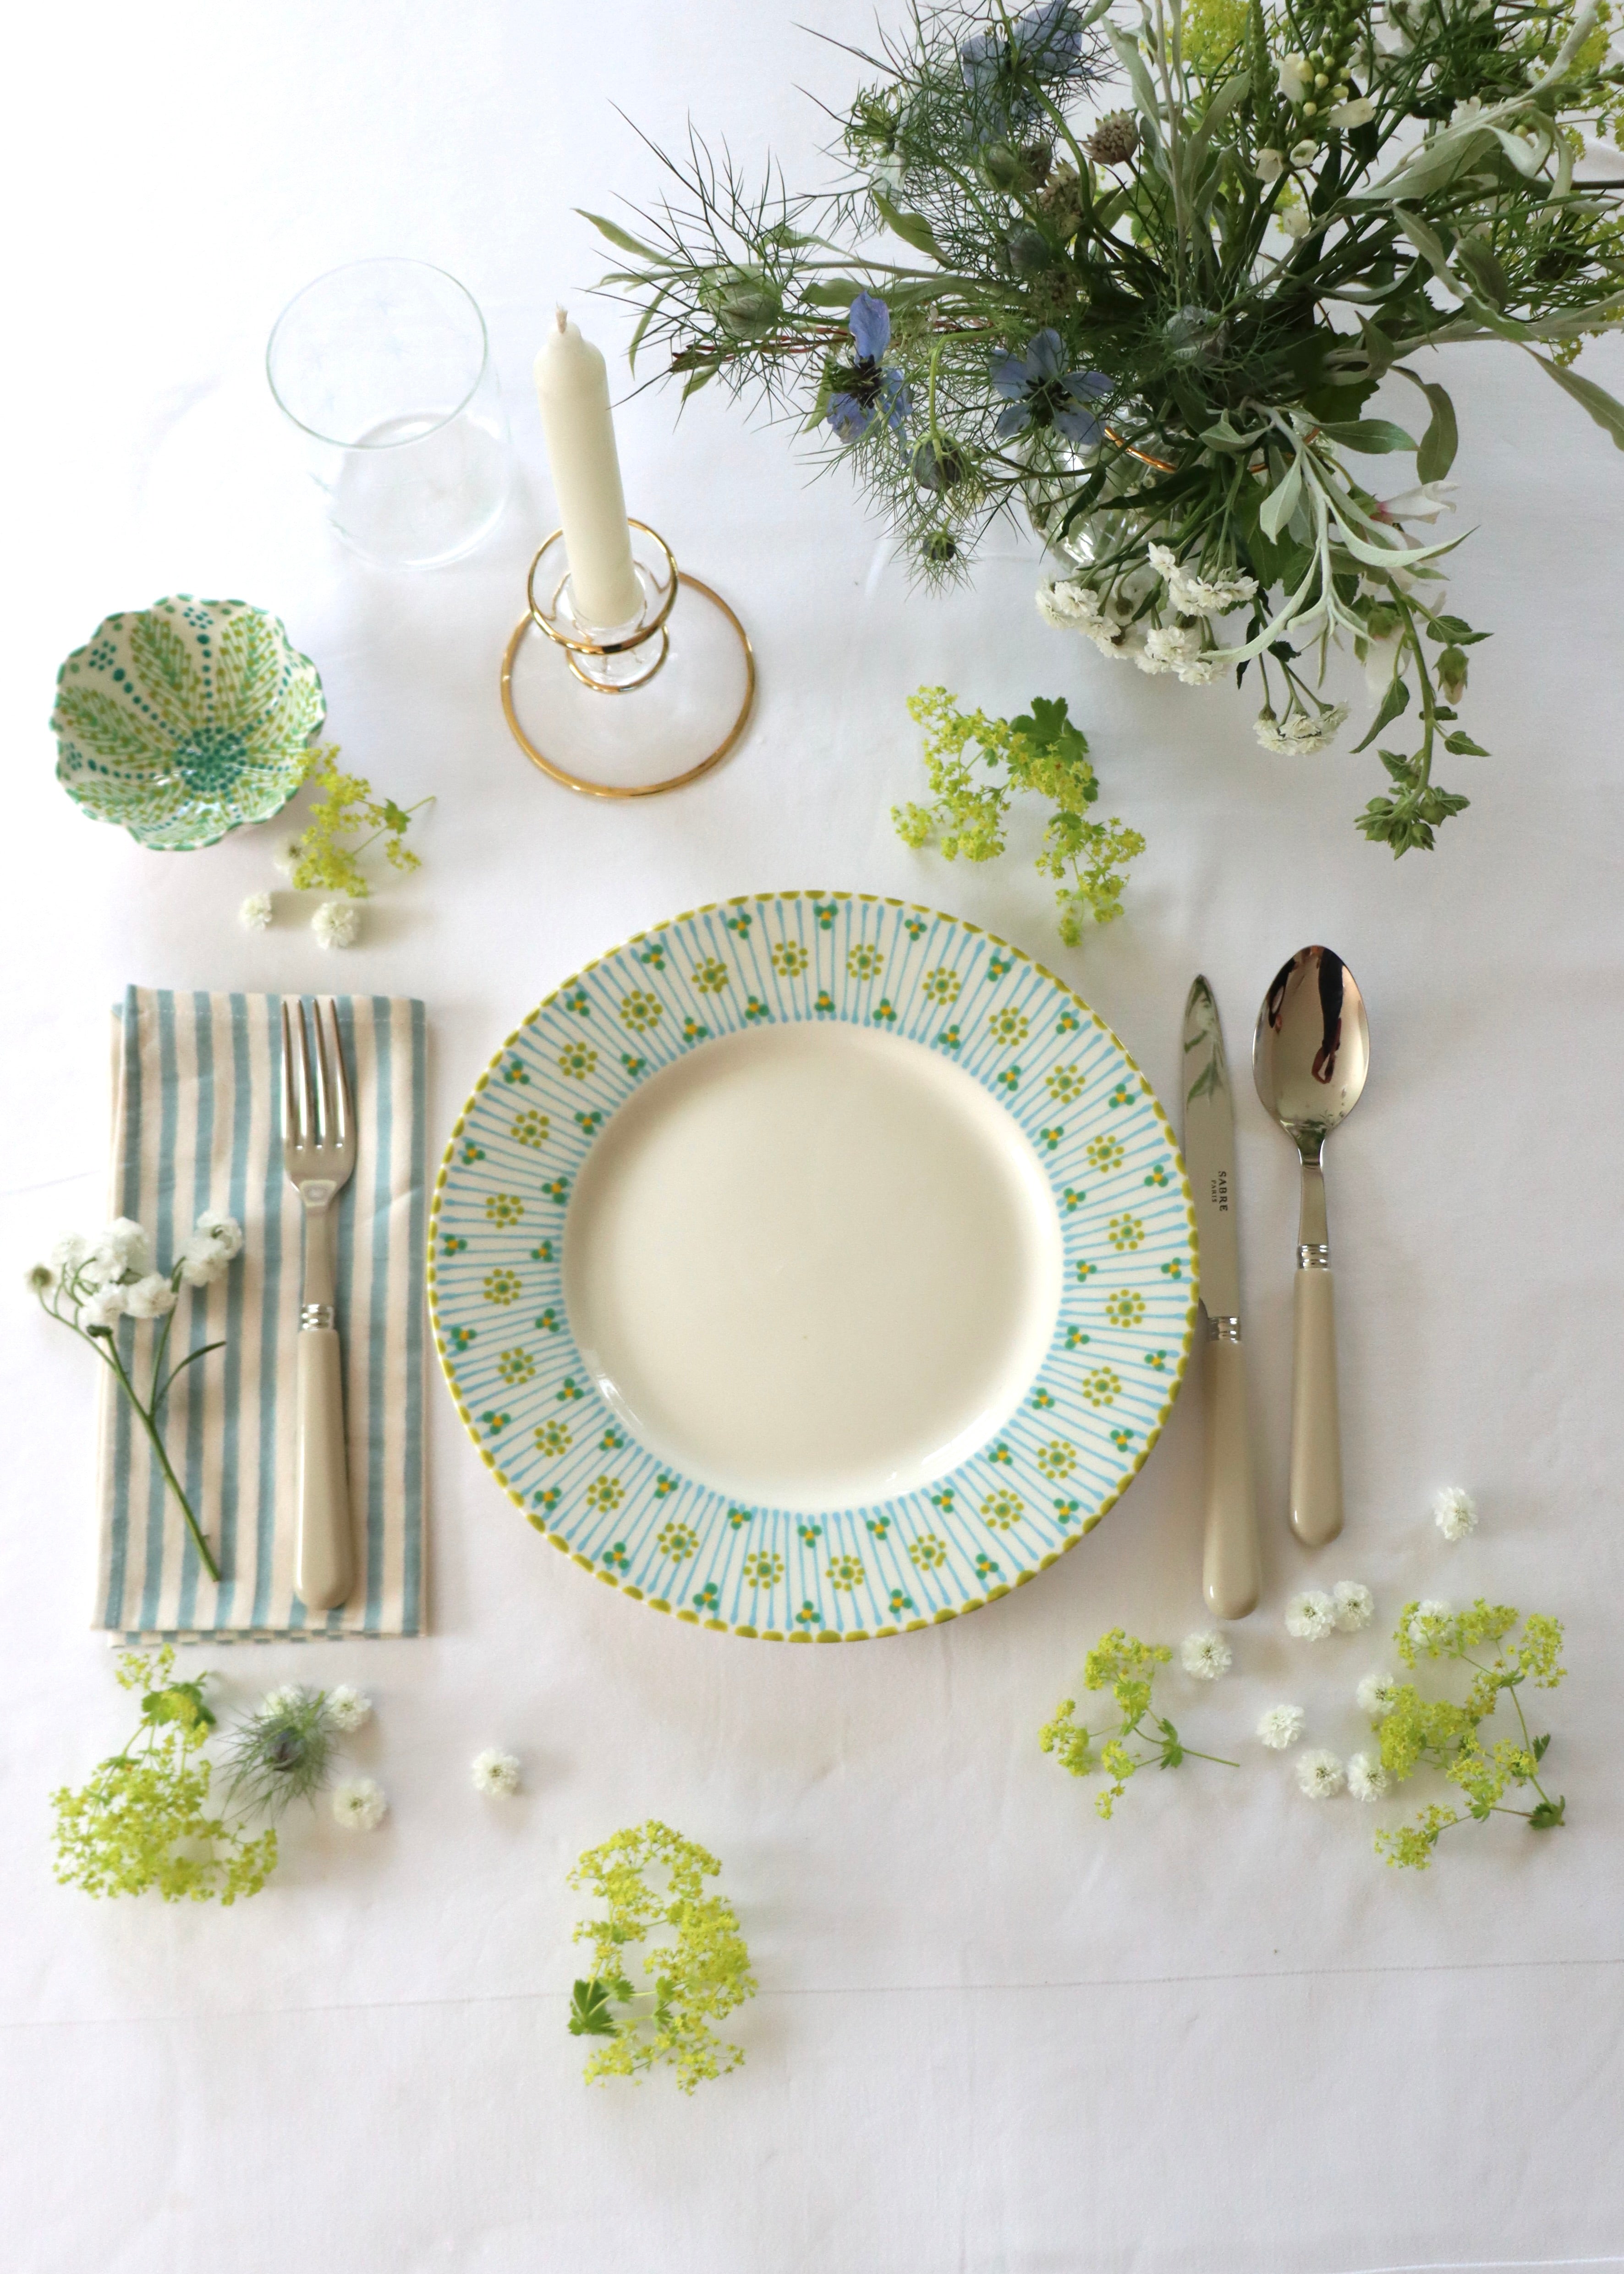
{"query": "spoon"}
[(1308, 1059)]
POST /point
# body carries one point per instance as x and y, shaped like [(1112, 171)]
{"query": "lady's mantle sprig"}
[(1041, 751), (90, 1285), (696, 1979), (1418, 1732), (1127, 1667), (143, 1821)]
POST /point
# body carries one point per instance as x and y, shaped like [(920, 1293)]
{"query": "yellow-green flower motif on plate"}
[(1048, 1467), (183, 720)]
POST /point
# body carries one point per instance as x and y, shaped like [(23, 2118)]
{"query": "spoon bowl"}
[(1312, 1051), (1309, 1058)]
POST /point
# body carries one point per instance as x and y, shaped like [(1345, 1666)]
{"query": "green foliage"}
[(1418, 1732), (1127, 1667), (283, 1752), (1236, 216), (344, 808), (697, 1979), (1041, 751), (143, 1821)]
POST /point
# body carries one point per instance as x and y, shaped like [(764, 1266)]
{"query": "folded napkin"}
[(197, 1124)]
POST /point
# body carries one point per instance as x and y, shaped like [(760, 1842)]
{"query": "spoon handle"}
[(1316, 1426)]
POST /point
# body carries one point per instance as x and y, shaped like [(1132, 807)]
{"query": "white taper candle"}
[(572, 384)]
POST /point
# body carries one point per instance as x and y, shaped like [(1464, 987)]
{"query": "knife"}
[(1230, 1576)]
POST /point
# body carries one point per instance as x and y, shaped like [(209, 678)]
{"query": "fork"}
[(319, 1153)]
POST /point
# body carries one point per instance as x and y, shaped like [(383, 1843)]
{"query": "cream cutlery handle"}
[(323, 1561), (1316, 1428), (1231, 1578)]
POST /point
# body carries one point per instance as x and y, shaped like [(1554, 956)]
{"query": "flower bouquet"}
[(1136, 273)]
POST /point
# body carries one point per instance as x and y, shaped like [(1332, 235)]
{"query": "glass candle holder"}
[(384, 369)]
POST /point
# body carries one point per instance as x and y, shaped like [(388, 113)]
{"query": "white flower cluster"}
[(1074, 606), (349, 1709), (1300, 733), (1206, 1656), (1281, 1727), (360, 1804), (1195, 595), (111, 1276), (1454, 1512), (496, 1773), (336, 924), (1313, 1614)]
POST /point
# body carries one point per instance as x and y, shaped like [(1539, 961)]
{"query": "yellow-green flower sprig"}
[(143, 1819), (344, 808), (1127, 1667), (1418, 1732), (1042, 752), (695, 1980)]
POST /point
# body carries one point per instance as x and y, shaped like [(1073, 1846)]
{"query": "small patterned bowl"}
[(183, 720)]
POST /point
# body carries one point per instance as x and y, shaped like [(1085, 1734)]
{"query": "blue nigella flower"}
[(1039, 391), (872, 388), (1047, 40)]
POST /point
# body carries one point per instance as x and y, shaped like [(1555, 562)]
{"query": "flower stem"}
[(205, 1553)]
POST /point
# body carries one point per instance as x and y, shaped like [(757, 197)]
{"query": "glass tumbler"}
[(384, 368)]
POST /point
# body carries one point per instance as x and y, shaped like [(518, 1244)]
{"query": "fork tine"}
[(324, 1077), (290, 1130), (346, 1102), (309, 1131)]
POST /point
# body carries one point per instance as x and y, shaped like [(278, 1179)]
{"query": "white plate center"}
[(813, 1267)]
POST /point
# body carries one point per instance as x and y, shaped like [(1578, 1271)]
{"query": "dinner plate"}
[(813, 1267)]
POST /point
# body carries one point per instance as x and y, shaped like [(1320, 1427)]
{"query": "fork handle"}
[(324, 1558)]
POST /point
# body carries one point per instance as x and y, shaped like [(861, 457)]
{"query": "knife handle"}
[(1316, 1428), (323, 1558), (1230, 1576)]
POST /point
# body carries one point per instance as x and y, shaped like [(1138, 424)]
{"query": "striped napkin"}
[(195, 1125)]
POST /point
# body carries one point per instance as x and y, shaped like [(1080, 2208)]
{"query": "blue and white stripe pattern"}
[(197, 1124), (530, 1401)]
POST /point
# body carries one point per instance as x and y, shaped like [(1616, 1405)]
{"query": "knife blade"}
[(1230, 1575)]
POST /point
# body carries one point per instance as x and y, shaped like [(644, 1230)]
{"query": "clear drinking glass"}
[(384, 366)]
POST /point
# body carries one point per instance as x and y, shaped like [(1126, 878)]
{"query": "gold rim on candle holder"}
[(576, 646), (578, 642)]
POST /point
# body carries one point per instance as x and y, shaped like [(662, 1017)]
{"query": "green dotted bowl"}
[(183, 720)]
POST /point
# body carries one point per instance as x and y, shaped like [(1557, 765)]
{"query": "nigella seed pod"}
[(1030, 252), (744, 301), (1115, 139), (285, 1750), (940, 548), (939, 465)]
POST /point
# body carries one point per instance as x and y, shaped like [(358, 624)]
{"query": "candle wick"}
[(563, 318)]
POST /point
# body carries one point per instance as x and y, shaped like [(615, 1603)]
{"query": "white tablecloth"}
[(993, 2033)]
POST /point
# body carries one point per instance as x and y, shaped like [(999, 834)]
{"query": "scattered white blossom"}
[(1454, 1512), (349, 1709), (1353, 1606), (1300, 733), (1321, 1774), (1367, 1779), (287, 855), (1269, 165), (1378, 1694), (257, 912), (1358, 112), (360, 1804), (149, 1298), (1295, 77), (1280, 1727), (1310, 1615), (288, 1699), (1206, 1656), (496, 1772), (123, 1247), (336, 924)]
